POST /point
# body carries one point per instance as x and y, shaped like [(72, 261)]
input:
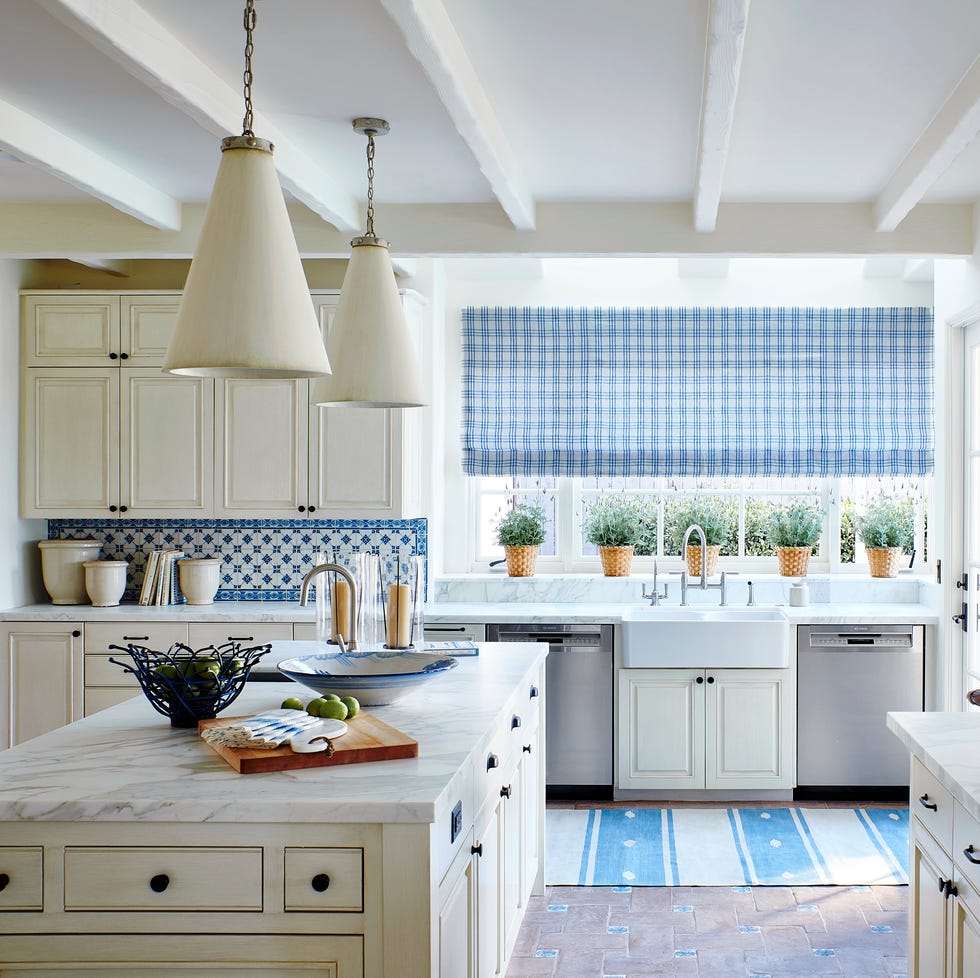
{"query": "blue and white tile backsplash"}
[(262, 560)]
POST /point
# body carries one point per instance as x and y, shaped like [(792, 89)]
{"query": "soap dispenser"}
[(799, 594)]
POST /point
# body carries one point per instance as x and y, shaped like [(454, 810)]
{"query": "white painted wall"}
[(20, 565), (631, 282)]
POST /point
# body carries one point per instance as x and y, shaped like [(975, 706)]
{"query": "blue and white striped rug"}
[(722, 847)]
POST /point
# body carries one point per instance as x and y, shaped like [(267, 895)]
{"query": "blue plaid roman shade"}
[(697, 392)]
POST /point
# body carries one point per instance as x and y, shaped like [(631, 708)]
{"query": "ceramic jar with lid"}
[(799, 595)]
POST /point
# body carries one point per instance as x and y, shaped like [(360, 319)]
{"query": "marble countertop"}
[(488, 611), (127, 764), (948, 744)]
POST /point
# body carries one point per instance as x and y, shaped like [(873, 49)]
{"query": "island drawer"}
[(322, 879), (249, 633), (966, 845), (156, 635), (166, 878), (99, 671), (932, 804), (21, 878)]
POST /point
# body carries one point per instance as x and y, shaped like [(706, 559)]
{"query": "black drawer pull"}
[(925, 803), (492, 761), (515, 722), (477, 850), (505, 791), (533, 693), (526, 748), (320, 882), (76, 633), (4, 880), (241, 638), (136, 638), (159, 882), (968, 852)]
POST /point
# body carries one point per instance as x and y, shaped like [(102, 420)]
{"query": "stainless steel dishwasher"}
[(848, 678), (578, 703)]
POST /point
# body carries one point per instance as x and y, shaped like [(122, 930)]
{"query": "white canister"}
[(199, 577), (62, 568), (105, 581), (799, 595)]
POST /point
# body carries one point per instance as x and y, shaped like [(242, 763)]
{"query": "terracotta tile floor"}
[(714, 931)]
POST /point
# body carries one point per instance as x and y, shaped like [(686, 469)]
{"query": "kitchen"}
[(647, 253)]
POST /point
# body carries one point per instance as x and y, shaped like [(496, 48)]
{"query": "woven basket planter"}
[(793, 561), (693, 557), (616, 561), (884, 562), (520, 560)]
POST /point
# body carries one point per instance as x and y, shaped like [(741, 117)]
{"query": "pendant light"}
[(369, 345), (246, 310)]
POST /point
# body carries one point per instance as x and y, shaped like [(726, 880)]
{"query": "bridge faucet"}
[(346, 574), (703, 583)]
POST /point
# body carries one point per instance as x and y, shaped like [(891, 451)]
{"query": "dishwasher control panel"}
[(867, 640)]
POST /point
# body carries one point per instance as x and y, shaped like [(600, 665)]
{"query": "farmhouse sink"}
[(722, 638)]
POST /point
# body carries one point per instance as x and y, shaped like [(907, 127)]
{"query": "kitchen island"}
[(124, 840)]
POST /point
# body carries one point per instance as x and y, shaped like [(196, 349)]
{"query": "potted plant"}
[(614, 524), (708, 513), (521, 532), (793, 529), (882, 528)]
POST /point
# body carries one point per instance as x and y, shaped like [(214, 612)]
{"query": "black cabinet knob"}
[(312, 509), (515, 722), (113, 356), (533, 692), (526, 748), (320, 882), (699, 680), (112, 509), (477, 850), (122, 509), (711, 679), (302, 509), (76, 633), (159, 882), (123, 356), (505, 791), (492, 761), (4, 880)]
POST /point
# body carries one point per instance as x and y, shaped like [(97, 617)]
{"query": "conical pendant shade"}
[(374, 360), (246, 309)]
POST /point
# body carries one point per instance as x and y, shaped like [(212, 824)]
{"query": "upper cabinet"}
[(104, 431)]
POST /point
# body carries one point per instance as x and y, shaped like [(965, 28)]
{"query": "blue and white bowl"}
[(373, 678)]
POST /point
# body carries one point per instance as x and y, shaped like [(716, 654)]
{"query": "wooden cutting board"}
[(367, 739)]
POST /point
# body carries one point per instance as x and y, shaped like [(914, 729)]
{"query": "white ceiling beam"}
[(111, 266), (883, 266), (951, 130), (32, 141), (433, 41), (727, 21), (404, 267), (127, 34), (703, 267), (918, 270)]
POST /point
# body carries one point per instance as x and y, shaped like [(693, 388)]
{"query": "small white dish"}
[(332, 729)]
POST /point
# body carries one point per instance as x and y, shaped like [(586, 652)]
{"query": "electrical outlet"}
[(457, 822)]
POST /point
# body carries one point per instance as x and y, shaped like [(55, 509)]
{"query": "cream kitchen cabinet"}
[(705, 728), (40, 677)]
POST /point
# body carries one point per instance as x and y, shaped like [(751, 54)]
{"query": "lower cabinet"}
[(706, 728), (40, 678)]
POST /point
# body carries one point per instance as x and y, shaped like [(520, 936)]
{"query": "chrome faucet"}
[(346, 574), (703, 583), (654, 596)]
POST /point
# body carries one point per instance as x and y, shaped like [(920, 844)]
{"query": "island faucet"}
[(346, 574)]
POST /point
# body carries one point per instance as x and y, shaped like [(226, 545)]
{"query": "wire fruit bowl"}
[(188, 685)]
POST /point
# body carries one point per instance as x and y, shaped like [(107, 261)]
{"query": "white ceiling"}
[(510, 104)]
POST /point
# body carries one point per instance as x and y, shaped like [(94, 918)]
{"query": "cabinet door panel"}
[(146, 325), (166, 432), (41, 667), (928, 919), (69, 330), (966, 943), (489, 897), (261, 447), (457, 906), (661, 728), (745, 728), (70, 442)]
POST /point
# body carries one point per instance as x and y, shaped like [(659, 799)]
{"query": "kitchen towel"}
[(727, 847)]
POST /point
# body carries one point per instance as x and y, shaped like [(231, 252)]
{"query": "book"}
[(149, 577)]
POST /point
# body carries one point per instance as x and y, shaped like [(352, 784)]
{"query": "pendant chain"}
[(370, 194), (249, 20)]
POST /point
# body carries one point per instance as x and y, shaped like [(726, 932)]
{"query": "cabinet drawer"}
[(102, 697), (932, 804), (21, 878), (156, 635), (966, 845), (324, 879), (118, 878), (99, 671), (202, 634)]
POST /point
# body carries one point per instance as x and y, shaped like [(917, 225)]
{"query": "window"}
[(747, 503)]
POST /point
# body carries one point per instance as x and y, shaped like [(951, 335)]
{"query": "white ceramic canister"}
[(105, 581), (199, 577), (799, 595), (62, 568)]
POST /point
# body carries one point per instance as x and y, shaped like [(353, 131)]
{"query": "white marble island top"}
[(948, 744), (127, 763)]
